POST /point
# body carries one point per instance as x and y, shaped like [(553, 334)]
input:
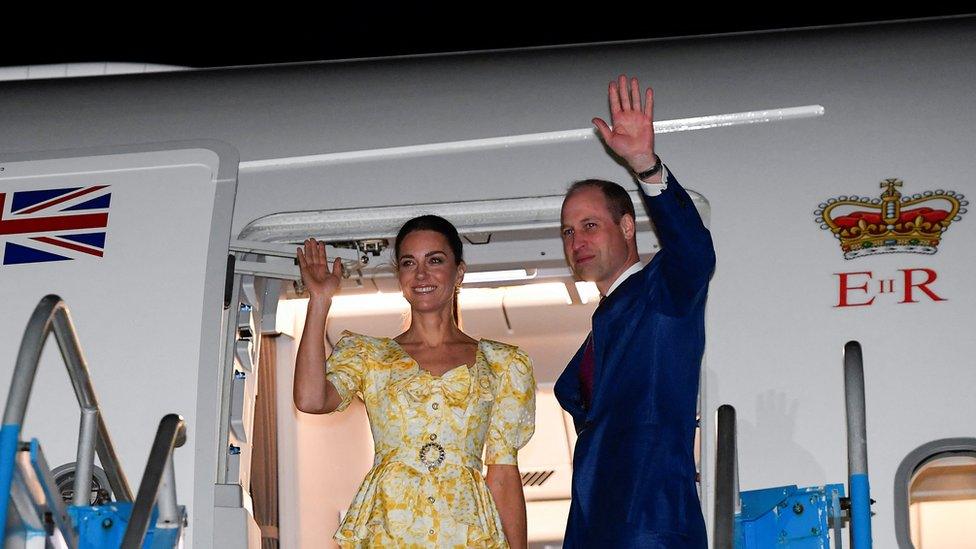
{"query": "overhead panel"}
[(505, 234)]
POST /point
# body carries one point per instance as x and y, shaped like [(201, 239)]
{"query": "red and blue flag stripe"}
[(61, 224)]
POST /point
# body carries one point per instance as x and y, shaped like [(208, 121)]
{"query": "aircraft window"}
[(935, 495)]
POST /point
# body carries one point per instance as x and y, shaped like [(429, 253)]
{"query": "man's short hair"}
[(618, 200)]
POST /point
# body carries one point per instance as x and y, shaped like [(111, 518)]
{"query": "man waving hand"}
[(632, 387)]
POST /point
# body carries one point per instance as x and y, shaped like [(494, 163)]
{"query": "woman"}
[(435, 396)]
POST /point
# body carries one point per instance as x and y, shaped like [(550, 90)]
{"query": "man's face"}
[(595, 245)]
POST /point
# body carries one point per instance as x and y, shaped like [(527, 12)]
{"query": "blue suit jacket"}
[(634, 467)]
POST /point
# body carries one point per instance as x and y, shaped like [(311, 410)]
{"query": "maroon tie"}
[(587, 365)]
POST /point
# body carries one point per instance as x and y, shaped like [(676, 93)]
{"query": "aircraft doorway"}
[(518, 290)]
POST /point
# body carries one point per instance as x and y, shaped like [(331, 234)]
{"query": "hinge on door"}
[(371, 247)]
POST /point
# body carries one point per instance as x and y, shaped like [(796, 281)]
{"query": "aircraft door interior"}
[(518, 289)]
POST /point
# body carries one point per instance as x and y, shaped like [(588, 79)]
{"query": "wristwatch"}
[(650, 171)]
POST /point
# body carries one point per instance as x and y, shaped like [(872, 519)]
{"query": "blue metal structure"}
[(787, 516), (33, 506), (104, 526), (81, 526)]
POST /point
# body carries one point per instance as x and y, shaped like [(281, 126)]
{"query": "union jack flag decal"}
[(53, 224)]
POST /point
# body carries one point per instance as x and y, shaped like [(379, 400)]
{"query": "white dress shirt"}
[(654, 189)]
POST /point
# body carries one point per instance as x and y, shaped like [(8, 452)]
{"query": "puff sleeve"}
[(512, 421), (346, 369)]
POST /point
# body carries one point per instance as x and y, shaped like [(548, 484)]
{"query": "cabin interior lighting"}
[(544, 293), (588, 292), (498, 276), (374, 303)]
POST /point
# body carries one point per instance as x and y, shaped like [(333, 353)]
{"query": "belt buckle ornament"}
[(431, 454)]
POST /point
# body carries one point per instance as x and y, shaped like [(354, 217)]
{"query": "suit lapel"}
[(567, 388), (613, 324)]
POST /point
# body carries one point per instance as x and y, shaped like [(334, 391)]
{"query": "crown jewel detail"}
[(891, 223)]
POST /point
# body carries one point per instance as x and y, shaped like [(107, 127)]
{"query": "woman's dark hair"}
[(434, 223)]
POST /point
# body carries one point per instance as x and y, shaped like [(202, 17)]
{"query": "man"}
[(633, 385)]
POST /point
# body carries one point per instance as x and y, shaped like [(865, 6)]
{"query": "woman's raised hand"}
[(312, 392), (316, 275)]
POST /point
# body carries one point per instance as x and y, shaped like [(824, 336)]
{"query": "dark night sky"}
[(213, 38)]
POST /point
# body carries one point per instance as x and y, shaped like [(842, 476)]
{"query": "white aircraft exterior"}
[(248, 161)]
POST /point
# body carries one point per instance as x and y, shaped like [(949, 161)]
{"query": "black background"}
[(195, 37)]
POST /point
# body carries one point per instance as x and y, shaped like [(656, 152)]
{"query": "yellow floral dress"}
[(425, 488)]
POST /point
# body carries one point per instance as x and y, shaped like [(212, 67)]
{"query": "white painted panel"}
[(86, 69), (546, 521), (13, 73), (138, 309), (47, 71)]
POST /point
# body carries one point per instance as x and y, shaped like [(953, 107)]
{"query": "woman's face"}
[(427, 272)]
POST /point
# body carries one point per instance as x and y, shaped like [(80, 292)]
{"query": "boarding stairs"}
[(790, 516), (100, 511)]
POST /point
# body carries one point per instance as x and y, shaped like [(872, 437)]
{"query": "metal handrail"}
[(726, 478), (52, 315), (857, 446), (157, 481), (85, 463)]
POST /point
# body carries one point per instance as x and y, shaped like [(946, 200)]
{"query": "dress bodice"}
[(430, 434)]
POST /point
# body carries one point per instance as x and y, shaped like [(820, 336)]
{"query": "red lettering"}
[(924, 286), (888, 288), (845, 289)]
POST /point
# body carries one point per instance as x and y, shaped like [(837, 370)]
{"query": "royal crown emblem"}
[(891, 223)]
